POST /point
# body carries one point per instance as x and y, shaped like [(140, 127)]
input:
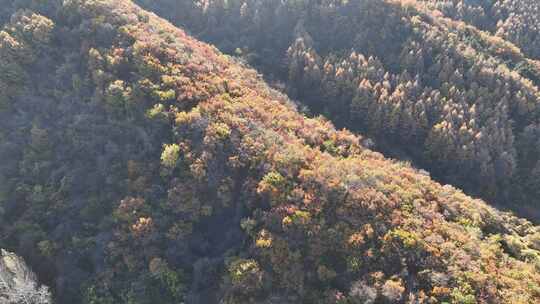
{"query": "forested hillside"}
[(459, 102), (517, 21), (143, 166)]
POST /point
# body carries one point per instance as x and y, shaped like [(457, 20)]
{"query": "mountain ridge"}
[(457, 101)]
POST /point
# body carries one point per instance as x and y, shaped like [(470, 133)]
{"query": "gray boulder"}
[(18, 284)]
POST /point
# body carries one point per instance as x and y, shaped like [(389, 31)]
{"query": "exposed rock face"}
[(18, 284)]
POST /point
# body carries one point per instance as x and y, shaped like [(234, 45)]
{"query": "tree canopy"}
[(145, 166), (447, 94)]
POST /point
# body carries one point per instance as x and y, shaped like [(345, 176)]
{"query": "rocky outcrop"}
[(18, 284)]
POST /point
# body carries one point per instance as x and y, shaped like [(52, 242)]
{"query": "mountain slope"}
[(458, 102), (145, 166), (517, 21)]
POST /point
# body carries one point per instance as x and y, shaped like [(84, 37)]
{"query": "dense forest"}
[(140, 165), (457, 101), (517, 21)]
